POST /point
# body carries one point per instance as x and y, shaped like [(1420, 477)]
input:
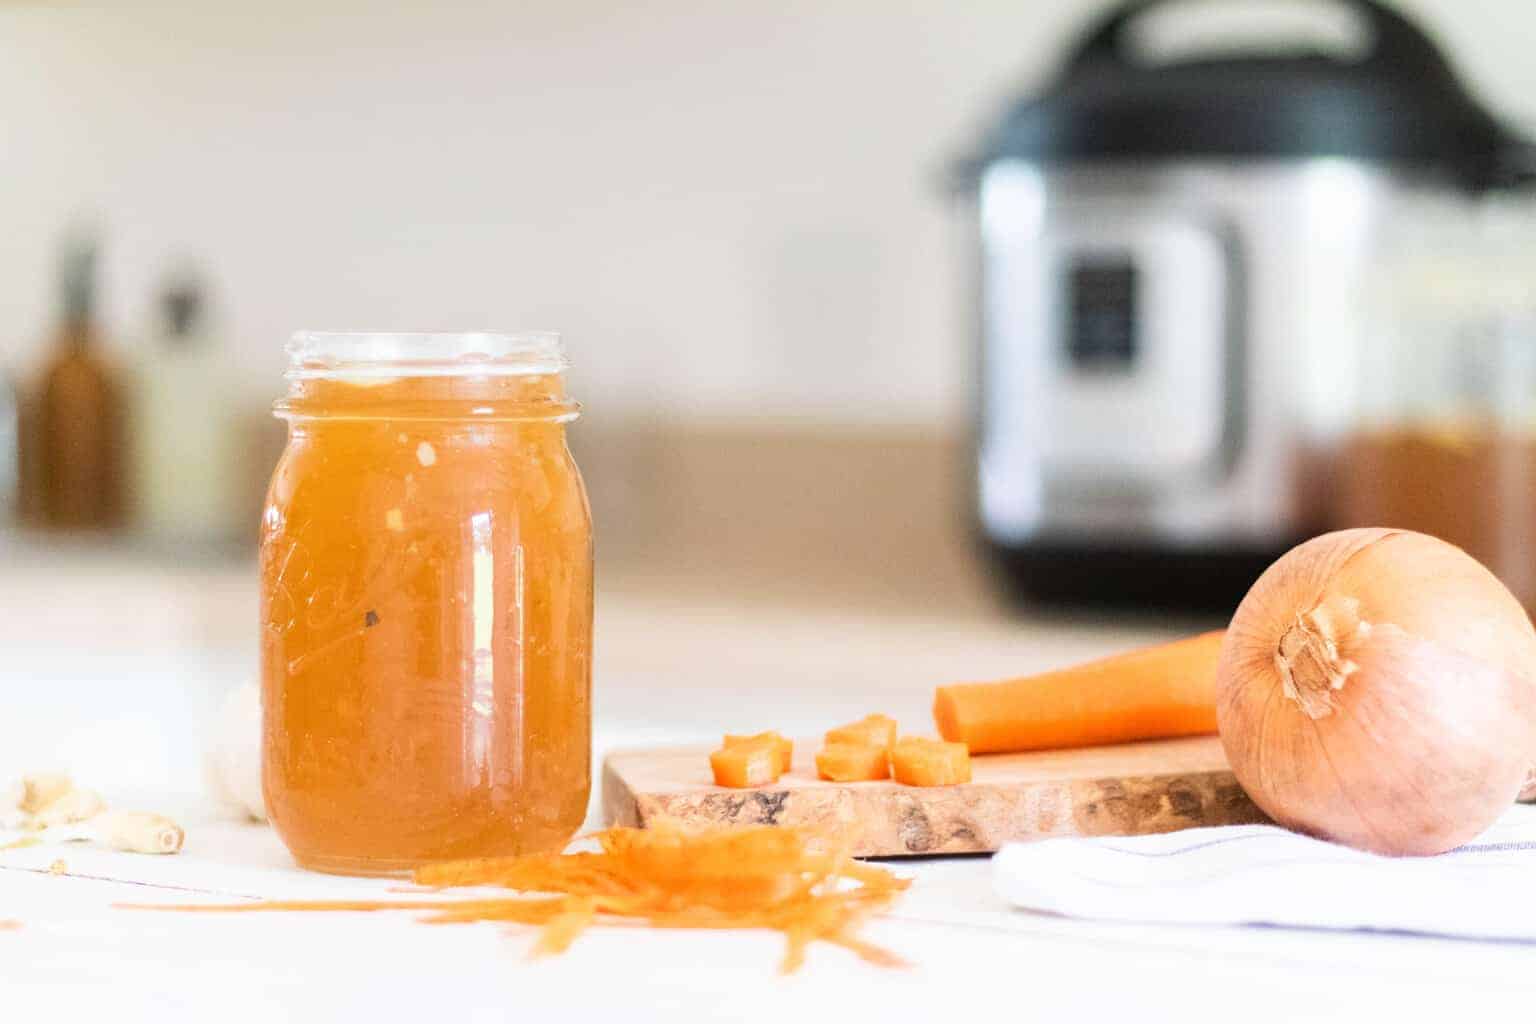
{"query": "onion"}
[(1378, 688)]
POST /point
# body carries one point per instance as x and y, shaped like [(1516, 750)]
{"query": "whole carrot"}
[(1167, 690)]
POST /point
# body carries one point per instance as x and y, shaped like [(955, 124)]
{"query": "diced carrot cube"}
[(852, 762), (923, 762), (786, 747), (870, 731), (753, 762)]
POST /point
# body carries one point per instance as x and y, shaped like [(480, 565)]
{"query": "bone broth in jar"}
[(426, 603)]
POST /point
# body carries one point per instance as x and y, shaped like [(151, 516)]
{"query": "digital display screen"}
[(1101, 302)]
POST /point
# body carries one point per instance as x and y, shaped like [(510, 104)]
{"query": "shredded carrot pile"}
[(9, 925), (663, 876)]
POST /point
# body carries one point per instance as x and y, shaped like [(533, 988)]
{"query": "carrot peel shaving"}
[(664, 876)]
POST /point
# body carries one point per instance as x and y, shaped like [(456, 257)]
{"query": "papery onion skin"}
[(1378, 688)]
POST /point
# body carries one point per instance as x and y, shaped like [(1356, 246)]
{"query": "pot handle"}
[(1397, 47)]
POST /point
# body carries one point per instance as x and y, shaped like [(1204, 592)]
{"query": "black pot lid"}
[(1399, 103)]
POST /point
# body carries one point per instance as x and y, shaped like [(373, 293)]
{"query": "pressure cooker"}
[(1172, 259)]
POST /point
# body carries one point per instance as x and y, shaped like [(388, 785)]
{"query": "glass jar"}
[(426, 603), (1445, 440)]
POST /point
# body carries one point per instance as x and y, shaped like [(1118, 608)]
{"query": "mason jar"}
[(426, 603)]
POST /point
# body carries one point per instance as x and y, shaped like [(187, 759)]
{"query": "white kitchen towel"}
[(1260, 874)]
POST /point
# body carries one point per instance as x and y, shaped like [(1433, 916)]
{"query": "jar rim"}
[(320, 355)]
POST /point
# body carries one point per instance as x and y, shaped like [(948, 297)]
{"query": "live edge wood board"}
[(1130, 789)]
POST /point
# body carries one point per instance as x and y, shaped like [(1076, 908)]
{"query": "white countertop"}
[(971, 958), (128, 719)]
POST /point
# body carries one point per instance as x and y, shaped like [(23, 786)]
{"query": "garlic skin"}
[(43, 788), (45, 799), (1378, 688), (73, 806)]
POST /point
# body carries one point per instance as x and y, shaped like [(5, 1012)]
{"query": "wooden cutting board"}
[(1130, 789)]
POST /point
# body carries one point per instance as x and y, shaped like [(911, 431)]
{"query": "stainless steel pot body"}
[(1169, 349)]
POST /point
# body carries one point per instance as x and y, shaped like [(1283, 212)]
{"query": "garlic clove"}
[(75, 805), (42, 789), (139, 832)]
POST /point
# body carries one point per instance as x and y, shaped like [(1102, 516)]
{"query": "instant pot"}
[(1171, 261)]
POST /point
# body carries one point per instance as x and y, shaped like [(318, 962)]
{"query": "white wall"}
[(729, 206)]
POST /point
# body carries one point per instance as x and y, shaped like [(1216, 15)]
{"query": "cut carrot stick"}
[(786, 747), (852, 762), (923, 762), (753, 762), (869, 731), (1167, 690)]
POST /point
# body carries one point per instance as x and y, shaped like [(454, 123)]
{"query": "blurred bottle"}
[(10, 445), (73, 442), (186, 451)]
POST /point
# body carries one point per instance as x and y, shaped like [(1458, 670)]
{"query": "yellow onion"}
[(1378, 688)]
